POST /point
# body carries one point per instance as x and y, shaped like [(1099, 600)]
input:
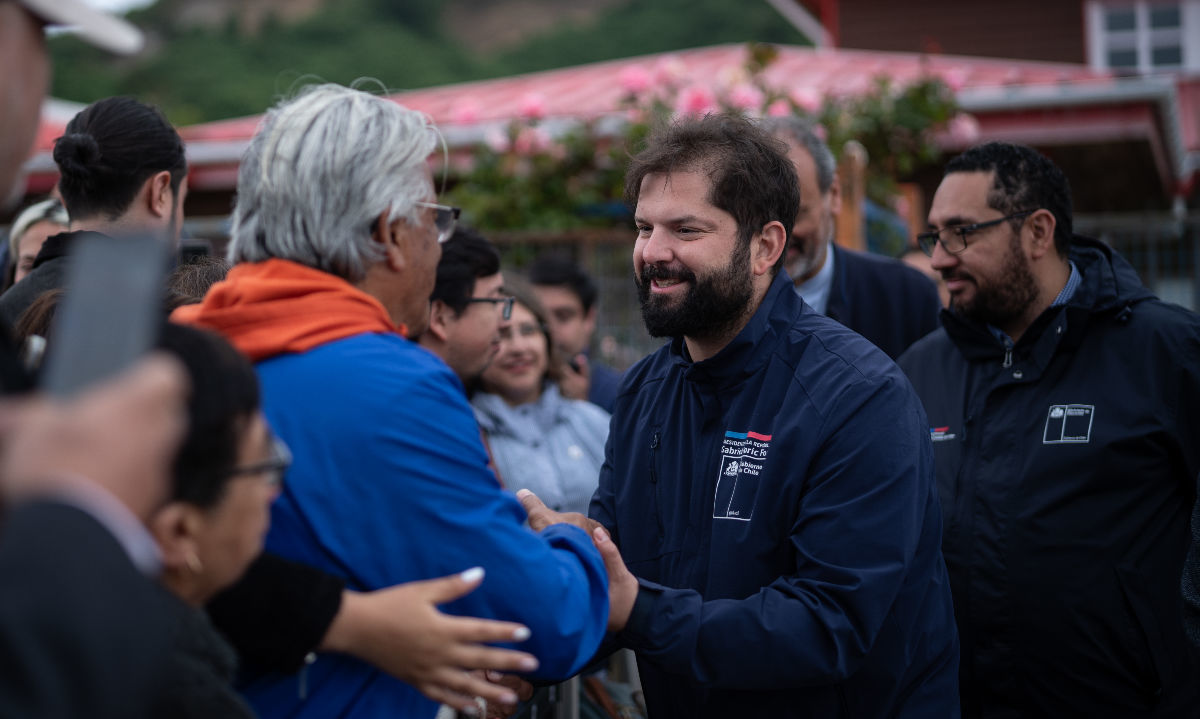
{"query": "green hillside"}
[(199, 74)]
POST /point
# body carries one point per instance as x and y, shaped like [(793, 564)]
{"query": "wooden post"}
[(852, 170)]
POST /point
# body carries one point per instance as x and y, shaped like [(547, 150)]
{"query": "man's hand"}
[(522, 688), (575, 383), (401, 631), (541, 516), (622, 585), (121, 435)]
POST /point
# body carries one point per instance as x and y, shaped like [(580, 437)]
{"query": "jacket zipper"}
[(654, 442), (308, 662), (1008, 348)]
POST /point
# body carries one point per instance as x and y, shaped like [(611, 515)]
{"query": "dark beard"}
[(713, 305), (1008, 296)]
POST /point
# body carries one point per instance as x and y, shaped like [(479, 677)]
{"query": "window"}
[(1144, 36)]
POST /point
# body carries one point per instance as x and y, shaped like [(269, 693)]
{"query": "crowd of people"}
[(368, 471)]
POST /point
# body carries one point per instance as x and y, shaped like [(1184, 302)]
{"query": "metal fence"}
[(1162, 247)]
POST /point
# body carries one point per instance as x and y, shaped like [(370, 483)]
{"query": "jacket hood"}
[(278, 306), (1110, 282), (1109, 286), (530, 420)]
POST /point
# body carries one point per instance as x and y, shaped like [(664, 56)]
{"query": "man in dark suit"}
[(882, 299)]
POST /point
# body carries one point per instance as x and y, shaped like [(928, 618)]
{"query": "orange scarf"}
[(278, 306)]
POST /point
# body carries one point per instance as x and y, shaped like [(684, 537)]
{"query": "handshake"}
[(622, 585)]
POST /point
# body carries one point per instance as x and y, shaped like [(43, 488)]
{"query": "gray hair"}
[(320, 170), (802, 132), (45, 211)]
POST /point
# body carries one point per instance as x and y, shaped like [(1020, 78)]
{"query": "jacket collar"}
[(495, 415), (836, 307), (750, 349), (1109, 286), (57, 246)]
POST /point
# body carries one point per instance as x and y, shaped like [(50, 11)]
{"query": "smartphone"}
[(110, 313)]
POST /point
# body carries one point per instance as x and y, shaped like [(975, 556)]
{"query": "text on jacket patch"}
[(742, 457), (1068, 424)]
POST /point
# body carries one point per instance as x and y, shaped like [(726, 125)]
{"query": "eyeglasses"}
[(506, 310), (274, 468), (957, 242), (444, 219)]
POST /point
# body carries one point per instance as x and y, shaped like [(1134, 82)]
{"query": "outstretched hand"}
[(401, 631), (622, 585), (541, 516)]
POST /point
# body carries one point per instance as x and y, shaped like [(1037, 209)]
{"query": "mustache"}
[(663, 272)]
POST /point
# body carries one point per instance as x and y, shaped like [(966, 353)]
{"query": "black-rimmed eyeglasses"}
[(444, 219), (957, 241), (274, 467), (507, 302)]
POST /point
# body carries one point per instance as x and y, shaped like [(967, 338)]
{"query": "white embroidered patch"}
[(1069, 424)]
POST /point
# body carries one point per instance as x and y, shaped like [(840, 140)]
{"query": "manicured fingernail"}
[(509, 698), (520, 634), (474, 574), (523, 492), (529, 664), (600, 534)]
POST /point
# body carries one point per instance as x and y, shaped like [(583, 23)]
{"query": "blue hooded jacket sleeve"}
[(395, 487)]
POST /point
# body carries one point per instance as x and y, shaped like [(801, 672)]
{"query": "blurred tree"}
[(198, 74)]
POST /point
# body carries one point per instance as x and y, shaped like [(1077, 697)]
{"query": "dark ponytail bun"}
[(77, 156), (107, 153)]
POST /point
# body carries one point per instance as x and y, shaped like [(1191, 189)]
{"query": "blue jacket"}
[(882, 299), (777, 503), (390, 484), (553, 447), (1067, 467)]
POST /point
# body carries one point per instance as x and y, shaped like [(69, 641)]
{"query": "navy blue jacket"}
[(1066, 470), (882, 299), (777, 503)]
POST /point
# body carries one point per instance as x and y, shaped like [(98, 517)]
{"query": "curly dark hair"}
[(1024, 179), (751, 175)]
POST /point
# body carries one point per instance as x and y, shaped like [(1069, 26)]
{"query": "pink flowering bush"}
[(525, 178)]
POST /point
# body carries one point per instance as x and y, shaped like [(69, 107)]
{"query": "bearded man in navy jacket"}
[(1063, 400), (768, 476)]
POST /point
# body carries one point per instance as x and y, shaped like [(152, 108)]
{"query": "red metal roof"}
[(597, 89), (1045, 97)]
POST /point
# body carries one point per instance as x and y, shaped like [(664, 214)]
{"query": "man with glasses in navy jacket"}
[(1063, 402)]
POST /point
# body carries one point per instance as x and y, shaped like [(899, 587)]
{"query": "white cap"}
[(94, 26)]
